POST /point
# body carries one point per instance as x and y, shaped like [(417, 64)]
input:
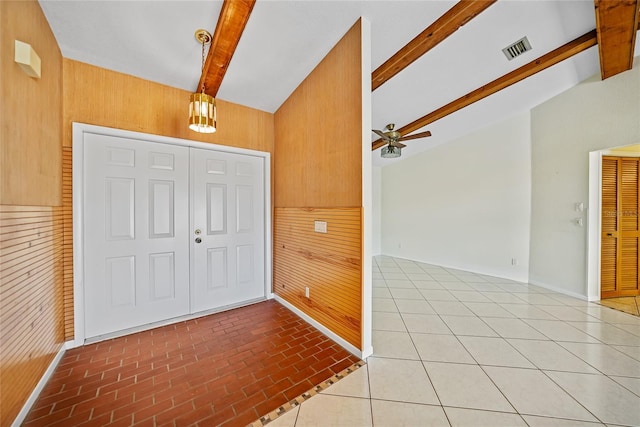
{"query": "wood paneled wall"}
[(328, 264), (103, 97), (31, 233), (30, 123), (318, 176), (67, 243), (318, 133), (30, 300)]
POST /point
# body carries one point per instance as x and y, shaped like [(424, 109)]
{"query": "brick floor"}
[(226, 369)]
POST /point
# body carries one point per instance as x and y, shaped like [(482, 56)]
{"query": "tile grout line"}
[(573, 397), (566, 322), (470, 355), (418, 353)]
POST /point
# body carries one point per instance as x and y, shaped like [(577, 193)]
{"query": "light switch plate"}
[(320, 226)]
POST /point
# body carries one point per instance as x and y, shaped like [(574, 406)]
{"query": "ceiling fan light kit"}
[(390, 152), (202, 107), (393, 138)]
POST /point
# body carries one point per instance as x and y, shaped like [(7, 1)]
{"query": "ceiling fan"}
[(393, 138)]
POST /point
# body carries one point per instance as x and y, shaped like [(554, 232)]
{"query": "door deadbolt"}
[(198, 240), (197, 232)]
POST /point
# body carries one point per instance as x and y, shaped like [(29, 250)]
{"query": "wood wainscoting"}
[(329, 264), (67, 251), (30, 299)]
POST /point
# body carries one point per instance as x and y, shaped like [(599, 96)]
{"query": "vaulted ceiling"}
[(436, 65)]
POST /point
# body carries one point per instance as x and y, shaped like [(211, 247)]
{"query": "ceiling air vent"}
[(517, 48)]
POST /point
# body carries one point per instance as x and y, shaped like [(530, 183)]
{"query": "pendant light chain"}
[(202, 68)]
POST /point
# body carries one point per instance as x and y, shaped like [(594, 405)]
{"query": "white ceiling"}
[(285, 40)]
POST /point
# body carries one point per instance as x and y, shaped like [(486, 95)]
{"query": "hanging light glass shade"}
[(390, 152), (202, 113)]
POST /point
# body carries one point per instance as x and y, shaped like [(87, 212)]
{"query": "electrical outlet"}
[(306, 291), (514, 261)]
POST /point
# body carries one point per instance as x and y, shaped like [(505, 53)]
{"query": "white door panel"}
[(228, 210), (136, 233), (143, 202)]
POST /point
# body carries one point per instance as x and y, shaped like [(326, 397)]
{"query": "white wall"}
[(376, 183), (465, 204), (591, 116)]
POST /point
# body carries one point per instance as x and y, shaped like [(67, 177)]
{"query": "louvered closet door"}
[(620, 262)]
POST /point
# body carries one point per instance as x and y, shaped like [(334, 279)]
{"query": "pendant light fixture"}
[(202, 107)]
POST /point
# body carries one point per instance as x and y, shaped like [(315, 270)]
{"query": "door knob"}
[(198, 240)]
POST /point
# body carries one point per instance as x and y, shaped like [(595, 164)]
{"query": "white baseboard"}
[(521, 277), (40, 386), (558, 290), (366, 353), (340, 341)]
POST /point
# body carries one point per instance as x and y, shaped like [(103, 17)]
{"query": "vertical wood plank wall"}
[(103, 97), (31, 234), (31, 127), (318, 176)]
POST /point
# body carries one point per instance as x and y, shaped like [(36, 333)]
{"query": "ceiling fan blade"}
[(397, 144), (416, 136), (381, 134)]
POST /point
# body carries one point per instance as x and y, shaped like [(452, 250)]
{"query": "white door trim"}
[(79, 129), (594, 219), (594, 233)]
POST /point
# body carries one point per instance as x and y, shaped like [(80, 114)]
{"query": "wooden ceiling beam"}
[(443, 27), (616, 25), (545, 61), (234, 16)]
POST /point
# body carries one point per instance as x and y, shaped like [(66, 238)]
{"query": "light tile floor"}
[(453, 348)]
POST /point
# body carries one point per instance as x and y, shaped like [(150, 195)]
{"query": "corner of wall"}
[(322, 273), (593, 115)]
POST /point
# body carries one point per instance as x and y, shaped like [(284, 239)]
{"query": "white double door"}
[(169, 231)]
